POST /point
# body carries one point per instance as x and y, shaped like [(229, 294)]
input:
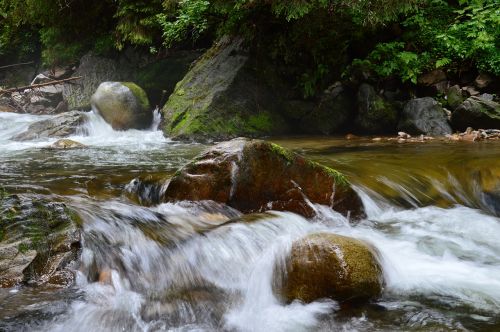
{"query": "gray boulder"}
[(123, 105), (375, 114), (225, 96), (477, 113), (94, 70), (62, 125), (424, 116), (38, 241)]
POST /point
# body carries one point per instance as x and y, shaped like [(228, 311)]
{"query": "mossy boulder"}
[(124, 105), (224, 96), (477, 113), (255, 176), (375, 114), (325, 265), (38, 241), (424, 116)]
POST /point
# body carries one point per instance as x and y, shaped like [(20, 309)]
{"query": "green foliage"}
[(186, 20), (137, 22), (440, 35)]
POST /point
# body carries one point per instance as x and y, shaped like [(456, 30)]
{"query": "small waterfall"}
[(156, 119)]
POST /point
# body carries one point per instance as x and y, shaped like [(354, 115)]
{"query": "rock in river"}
[(424, 116), (124, 105), (476, 112), (38, 240), (254, 175), (62, 125), (325, 265)]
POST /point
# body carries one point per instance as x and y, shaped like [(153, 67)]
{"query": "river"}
[(433, 214)]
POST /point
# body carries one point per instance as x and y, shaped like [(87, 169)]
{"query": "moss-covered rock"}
[(38, 239), (124, 105), (325, 265), (224, 96), (375, 114), (477, 113), (255, 176)]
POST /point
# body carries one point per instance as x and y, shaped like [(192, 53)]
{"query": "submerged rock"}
[(254, 175), (424, 116), (223, 96), (325, 265), (62, 125), (375, 115), (478, 113), (124, 105), (38, 241), (66, 144)]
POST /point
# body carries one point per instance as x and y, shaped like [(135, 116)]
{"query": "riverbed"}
[(432, 213)]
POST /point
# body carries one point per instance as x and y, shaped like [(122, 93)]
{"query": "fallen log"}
[(40, 85), (17, 65)]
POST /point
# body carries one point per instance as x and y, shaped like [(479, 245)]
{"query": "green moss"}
[(3, 193), (23, 248), (261, 122), (281, 151), (139, 93), (340, 179)]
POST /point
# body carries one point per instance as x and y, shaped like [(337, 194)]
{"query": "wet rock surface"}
[(124, 105), (325, 265), (62, 125), (66, 144), (39, 240), (254, 175)]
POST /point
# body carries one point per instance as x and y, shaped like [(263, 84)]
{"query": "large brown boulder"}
[(325, 265), (254, 175)]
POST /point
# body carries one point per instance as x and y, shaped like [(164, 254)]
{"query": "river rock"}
[(454, 97), (224, 96), (255, 176), (375, 115), (325, 265), (62, 125), (124, 105), (38, 241), (66, 144), (333, 113), (478, 113), (424, 116)]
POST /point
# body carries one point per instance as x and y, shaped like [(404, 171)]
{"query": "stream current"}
[(432, 212)]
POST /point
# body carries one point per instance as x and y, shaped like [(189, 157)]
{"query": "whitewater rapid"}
[(180, 267)]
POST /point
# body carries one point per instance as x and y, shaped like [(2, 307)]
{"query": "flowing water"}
[(433, 213)]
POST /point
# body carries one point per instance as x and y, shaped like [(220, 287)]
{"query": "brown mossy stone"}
[(256, 176), (325, 265)]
